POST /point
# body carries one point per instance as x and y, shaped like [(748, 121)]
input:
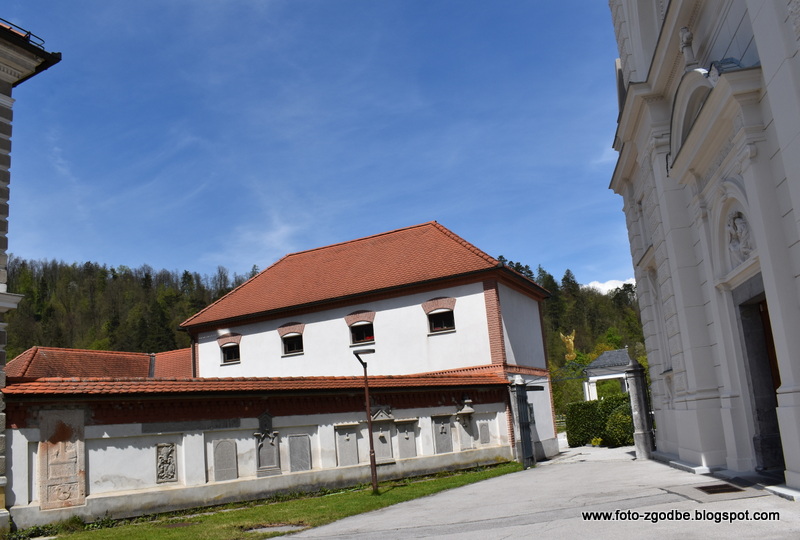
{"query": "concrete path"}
[(550, 501)]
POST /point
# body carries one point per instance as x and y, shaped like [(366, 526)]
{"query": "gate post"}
[(642, 426), (525, 451)]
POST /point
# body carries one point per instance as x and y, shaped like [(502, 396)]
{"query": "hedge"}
[(588, 419), (619, 427)]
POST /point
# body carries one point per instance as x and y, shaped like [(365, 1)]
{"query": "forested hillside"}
[(93, 306)]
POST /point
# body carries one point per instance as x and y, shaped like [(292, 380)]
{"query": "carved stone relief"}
[(166, 463), (62, 477), (740, 244), (268, 455)]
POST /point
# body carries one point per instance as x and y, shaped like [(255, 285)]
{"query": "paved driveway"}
[(550, 500)]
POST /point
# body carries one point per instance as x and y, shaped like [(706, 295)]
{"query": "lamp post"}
[(372, 466)]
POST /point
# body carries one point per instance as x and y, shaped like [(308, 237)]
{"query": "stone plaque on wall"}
[(465, 433), (407, 439), (442, 435), (484, 433), (346, 446), (299, 453), (268, 454), (166, 463), (62, 470), (382, 440), (225, 462)]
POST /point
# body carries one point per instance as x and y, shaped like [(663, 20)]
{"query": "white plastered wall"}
[(403, 343)]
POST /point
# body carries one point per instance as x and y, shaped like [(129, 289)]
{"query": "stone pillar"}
[(642, 427), (589, 390)]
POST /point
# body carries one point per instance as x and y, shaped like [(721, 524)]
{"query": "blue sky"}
[(187, 134)]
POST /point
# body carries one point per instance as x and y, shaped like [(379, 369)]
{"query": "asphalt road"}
[(642, 498)]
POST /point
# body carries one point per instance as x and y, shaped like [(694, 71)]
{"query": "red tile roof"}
[(39, 362), (176, 363), (128, 386), (407, 256)]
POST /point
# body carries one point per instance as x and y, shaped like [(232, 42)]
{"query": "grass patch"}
[(231, 522)]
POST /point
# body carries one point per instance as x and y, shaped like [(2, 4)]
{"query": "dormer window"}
[(441, 321), (293, 344), (362, 332), (292, 338)]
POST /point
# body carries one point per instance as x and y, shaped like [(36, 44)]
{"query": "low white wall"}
[(121, 465), (140, 502)]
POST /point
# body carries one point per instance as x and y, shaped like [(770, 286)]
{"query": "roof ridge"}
[(27, 361), (363, 238), (466, 244), (103, 351)]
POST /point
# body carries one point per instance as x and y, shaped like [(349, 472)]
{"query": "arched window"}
[(441, 315), (292, 338), (361, 327), (441, 320), (229, 348)]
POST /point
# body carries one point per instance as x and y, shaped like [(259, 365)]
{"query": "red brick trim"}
[(359, 316), (512, 440), (439, 303), (494, 318), (227, 339), (291, 328)]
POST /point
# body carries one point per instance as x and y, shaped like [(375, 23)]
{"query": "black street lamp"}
[(372, 466)]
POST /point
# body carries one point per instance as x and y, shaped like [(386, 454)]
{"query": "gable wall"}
[(522, 329)]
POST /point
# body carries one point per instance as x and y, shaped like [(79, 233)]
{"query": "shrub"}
[(619, 427), (587, 419)]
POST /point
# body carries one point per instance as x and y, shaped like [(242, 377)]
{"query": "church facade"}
[(709, 171)]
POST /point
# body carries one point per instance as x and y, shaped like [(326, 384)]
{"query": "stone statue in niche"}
[(166, 465), (739, 242)]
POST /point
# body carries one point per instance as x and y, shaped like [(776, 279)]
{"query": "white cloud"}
[(609, 285)]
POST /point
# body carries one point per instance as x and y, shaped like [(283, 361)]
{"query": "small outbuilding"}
[(609, 365)]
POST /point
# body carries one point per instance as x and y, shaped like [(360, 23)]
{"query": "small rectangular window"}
[(293, 344), (361, 333), (230, 354), (441, 321)]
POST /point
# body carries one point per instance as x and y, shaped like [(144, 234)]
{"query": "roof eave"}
[(504, 271)]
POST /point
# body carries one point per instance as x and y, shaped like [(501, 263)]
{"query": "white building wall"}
[(522, 329), (403, 343)]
